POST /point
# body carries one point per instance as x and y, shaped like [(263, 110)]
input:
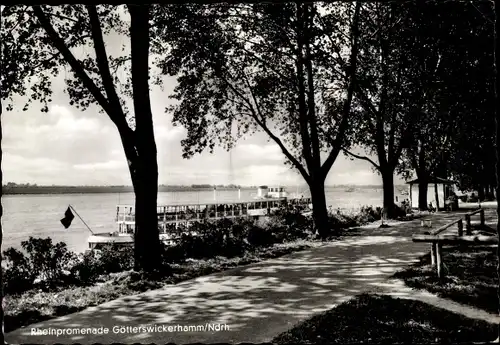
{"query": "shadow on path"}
[(258, 301)]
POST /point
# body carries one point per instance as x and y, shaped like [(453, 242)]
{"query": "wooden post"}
[(460, 228), (433, 254), (468, 227), (481, 215), (439, 260)]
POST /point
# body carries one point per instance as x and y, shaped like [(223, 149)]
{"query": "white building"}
[(437, 186)]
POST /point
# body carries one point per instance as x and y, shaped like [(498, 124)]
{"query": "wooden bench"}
[(437, 241), (436, 245)]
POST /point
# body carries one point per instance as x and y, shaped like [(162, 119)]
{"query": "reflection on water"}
[(39, 215)]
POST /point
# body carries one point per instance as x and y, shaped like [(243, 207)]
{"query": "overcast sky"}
[(70, 147)]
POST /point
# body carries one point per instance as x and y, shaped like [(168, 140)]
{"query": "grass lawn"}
[(383, 319), (471, 279), (35, 306)]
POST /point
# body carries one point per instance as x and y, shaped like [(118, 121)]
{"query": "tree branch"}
[(302, 112), (361, 157), (102, 60), (60, 16), (255, 116), (367, 104), (311, 106), (53, 56), (262, 124), (336, 147), (403, 142), (283, 148), (413, 159), (269, 66), (77, 67)]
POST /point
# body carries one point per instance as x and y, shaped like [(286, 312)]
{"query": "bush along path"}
[(45, 280)]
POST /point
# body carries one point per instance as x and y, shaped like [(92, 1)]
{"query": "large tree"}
[(467, 37), (458, 105), (423, 79), (1, 230), (268, 67), (388, 91), (497, 141), (37, 41)]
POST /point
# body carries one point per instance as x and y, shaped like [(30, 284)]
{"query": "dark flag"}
[(68, 218)]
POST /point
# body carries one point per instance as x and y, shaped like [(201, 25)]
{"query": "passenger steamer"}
[(170, 217)]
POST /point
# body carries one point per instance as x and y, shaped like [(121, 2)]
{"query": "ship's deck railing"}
[(192, 212)]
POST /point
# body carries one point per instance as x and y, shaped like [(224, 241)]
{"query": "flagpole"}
[(81, 219)]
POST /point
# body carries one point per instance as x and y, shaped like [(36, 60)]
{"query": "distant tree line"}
[(27, 188)]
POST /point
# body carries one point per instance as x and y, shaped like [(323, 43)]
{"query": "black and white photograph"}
[(284, 172)]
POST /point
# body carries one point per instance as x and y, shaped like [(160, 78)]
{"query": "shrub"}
[(18, 276), (339, 220), (173, 254), (286, 225), (194, 247), (209, 239), (115, 258), (87, 268), (259, 237), (368, 214), (44, 261), (48, 261)]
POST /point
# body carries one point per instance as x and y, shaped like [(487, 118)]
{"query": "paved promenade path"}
[(256, 302)]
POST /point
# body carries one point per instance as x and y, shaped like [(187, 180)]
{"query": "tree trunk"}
[(388, 187), (497, 125), (320, 212), (146, 236), (1, 232), (143, 169), (480, 192), (145, 172), (436, 195), (423, 187)]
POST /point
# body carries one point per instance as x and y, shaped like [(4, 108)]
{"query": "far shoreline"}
[(38, 190), (101, 189)]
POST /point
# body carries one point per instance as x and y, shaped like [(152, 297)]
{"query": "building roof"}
[(434, 180)]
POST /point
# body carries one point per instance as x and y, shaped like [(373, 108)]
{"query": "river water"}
[(39, 215)]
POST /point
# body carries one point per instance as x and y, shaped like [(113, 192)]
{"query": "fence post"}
[(481, 215), (439, 260), (433, 254), (468, 228), (460, 228)]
